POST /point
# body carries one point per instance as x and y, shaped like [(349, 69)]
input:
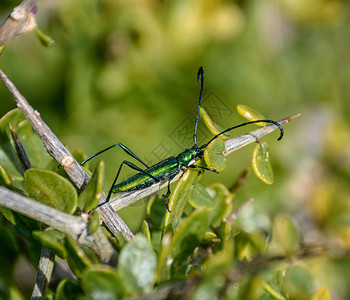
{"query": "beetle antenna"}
[(244, 124), (200, 78)]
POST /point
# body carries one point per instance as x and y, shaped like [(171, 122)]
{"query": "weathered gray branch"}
[(74, 226), (57, 150), (19, 21), (125, 199), (43, 277)]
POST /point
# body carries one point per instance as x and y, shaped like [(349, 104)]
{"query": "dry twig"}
[(20, 20), (74, 226), (43, 277), (57, 150)]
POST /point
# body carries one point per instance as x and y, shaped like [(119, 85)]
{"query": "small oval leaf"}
[(77, 260), (92, 193), (209, 238), (285, 236), (4, 179), (213, 128), (272, 292), (51, 189), (137, 265), (321, 294), (178, 200), (94, 221), (224, 234), (24, 225), (68, 290), (201, 198), (53, 240), (102, 282), (145, 231), (213, 155), (189, 234), (2, 48), (155, 211), (261, 163), (223, 203), (175, 251), (249, 113)]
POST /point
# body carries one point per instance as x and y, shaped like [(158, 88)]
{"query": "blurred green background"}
[(125, 71)]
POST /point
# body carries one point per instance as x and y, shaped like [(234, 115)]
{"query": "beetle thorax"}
[(188, 155)]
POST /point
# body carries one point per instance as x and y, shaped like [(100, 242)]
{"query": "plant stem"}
[(45, 268), (74, 226), (57, 150)]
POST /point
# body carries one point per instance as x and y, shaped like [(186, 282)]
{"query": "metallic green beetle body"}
[(165, 170)]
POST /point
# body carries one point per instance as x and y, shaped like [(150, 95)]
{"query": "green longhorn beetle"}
[(168, 168)]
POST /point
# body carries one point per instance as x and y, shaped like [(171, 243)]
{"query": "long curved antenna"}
[(244, 124), (200, 78)]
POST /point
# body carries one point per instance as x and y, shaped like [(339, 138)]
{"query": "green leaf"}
[(163, 269), (8, 214), (248, 245), (190, 233), (94, 221), (261, 163), (250, 114), (273, 293), (214, 155), (155, 211), (44, 39), (216, 197), (210, 289), (321, 294), (145, 231), (30, 141), (178, 200), (224, 234), (220, 262), (137, 265), (209, 238), (51, 189), (4, 178), (92, 193), (188, 236), (200, 197), (79, 156), (10, 165), (77, 259), (53, 240), (215, 269), (213, 128), (23, 224), (117, 242), (285, 236), (299, 282), (103, 282), (9, 251), (2, 48), (223, 203), (68, 290)]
